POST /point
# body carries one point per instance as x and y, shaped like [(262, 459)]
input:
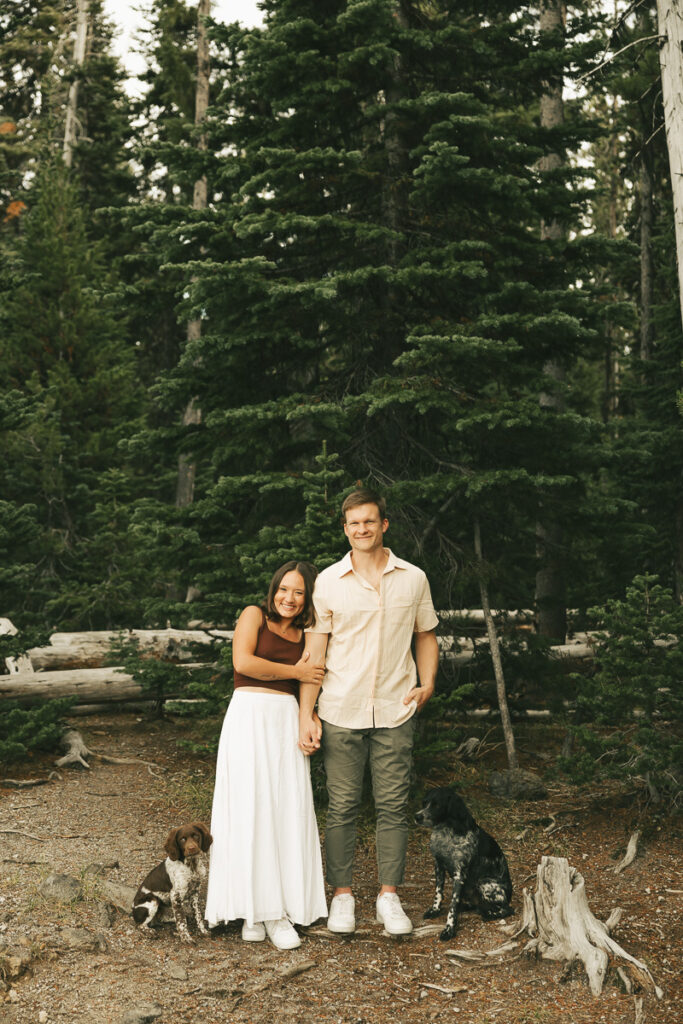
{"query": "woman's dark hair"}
[(308, 573)]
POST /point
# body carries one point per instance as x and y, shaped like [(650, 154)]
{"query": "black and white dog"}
[(176, 881), (473, 858)]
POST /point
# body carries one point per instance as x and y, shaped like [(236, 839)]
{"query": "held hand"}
[(307, 673), (310, 731), (419, 694)]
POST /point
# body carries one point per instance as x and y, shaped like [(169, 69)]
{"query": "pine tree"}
[(373, 274), (75, 395)]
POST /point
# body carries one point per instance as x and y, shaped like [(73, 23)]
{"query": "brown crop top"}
[(274, 648)]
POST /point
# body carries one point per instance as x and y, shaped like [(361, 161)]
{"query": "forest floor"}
[(92, 967)]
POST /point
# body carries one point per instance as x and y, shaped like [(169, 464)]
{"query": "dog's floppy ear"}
[(207, 838), (172, 846), (458, 812)]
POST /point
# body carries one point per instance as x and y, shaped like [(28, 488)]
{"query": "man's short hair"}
[(364, 497)]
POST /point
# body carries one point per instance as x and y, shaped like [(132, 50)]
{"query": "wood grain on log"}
[(90, 649), (88, 686)]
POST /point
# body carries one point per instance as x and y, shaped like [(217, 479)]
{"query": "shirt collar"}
[(346, 565)]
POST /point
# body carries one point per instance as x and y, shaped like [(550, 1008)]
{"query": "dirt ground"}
[(122, 813)]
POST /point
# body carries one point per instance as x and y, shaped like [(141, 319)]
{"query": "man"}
[(369, 607)]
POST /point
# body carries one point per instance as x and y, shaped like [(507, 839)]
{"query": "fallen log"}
[(87, 686), (91, 649), (475, 616)]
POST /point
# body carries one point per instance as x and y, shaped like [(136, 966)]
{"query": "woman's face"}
[(290, 596)]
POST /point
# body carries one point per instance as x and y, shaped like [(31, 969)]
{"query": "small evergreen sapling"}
[(630, 706), (25, 730)]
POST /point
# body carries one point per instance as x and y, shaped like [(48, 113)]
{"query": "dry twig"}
[(630, 855)]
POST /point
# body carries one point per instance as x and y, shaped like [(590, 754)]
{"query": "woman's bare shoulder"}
[(252, 613)]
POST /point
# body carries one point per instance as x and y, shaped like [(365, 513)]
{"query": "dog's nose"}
[(418, 817)]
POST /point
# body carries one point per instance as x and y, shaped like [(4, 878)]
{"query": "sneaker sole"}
[(342, 931), (403, 931)]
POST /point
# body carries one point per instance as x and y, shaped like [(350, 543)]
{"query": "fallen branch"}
[(630, 855), (18, 832), (281, 975), (475, 955), (14, 860), (446, 991), (24, 783)]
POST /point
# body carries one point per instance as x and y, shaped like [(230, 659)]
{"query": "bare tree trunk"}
[(550, 590), (494, 646), (71, 122), (611, 402), (670, 27), (187, 466), (646, 332)]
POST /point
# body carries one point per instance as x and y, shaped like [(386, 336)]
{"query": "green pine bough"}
[(629, 709)]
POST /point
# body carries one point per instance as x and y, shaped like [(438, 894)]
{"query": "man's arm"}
[(427, 658), (309, 724)]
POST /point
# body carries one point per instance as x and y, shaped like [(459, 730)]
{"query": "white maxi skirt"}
[(265, 859)]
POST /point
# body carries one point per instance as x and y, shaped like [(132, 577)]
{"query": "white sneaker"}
[(390, 913), (341, 918), (255, 932), (282, 934)]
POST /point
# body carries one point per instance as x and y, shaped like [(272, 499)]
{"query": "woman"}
[(265, 861)]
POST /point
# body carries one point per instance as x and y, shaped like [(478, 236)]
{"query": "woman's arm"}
[(310, 729), (249, 664)]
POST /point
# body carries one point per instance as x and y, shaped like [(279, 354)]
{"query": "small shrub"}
[(629, 709), (27, 730)]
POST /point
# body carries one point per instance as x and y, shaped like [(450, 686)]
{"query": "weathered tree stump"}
[(76, 750), (561, 927)]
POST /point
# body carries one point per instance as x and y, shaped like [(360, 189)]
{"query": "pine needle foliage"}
[(630, 707)]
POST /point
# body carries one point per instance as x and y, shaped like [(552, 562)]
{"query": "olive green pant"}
[(345, 753)]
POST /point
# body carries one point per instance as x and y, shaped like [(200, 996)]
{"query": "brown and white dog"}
[(176, 881)]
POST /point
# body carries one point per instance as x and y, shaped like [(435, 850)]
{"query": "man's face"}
[(364, 528)]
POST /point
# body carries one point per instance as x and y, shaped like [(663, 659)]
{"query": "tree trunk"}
[(670, 27), (646, 332), (550, 589), (187, 466), (505, 719), (71, 123)]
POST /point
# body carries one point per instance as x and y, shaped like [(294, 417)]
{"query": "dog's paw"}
[(431, 913), (447, 933), (186, 937), (496, 913)]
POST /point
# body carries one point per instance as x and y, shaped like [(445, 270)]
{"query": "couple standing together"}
[(348, 630)]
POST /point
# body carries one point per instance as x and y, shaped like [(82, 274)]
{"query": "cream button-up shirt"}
[(369, 667)]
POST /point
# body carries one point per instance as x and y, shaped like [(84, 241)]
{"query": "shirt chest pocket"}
[(354, 611)]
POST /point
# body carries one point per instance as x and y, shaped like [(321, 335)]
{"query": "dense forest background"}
[(427, 245)]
